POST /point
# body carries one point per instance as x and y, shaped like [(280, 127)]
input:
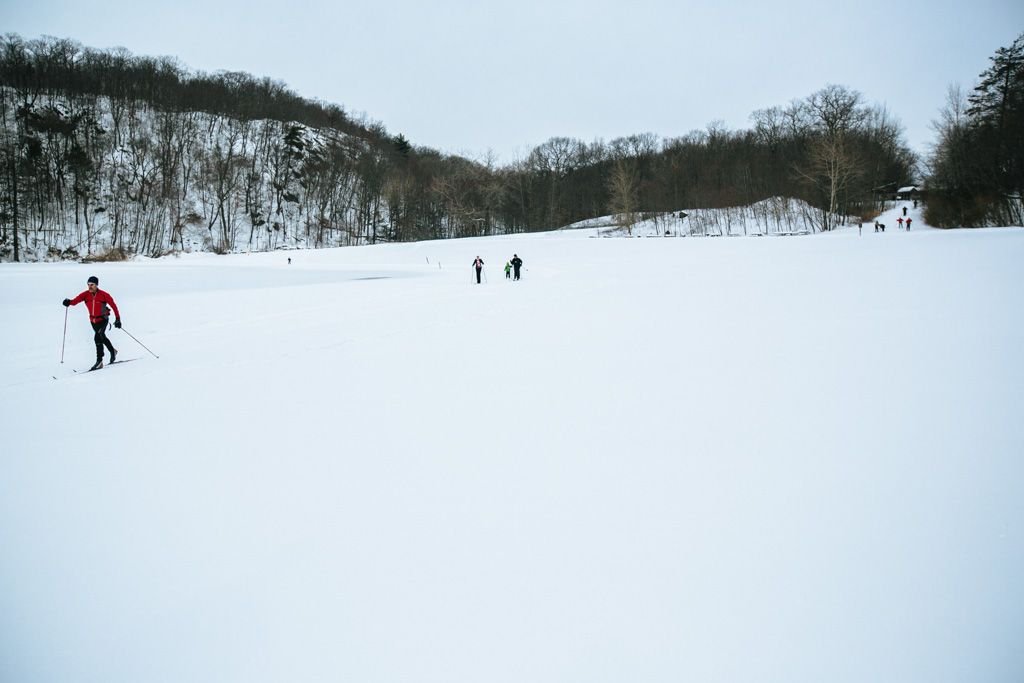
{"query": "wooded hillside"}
[(107, 153)]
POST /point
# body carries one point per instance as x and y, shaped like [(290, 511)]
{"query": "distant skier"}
[(908, 222), (904, 211), (508, 270), (479, 265), (899, 223), (517, 263), (99, 304)]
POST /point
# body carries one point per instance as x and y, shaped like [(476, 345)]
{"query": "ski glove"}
[(117, 323), (66, 302)]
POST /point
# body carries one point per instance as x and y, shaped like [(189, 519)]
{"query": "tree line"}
[(106, 153), (977, 169)]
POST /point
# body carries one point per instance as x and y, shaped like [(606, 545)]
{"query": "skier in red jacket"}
[(99, 305)]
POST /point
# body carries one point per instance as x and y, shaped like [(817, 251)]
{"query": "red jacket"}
[(94, 302)]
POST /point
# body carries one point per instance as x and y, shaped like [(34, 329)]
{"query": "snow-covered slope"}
[(775, 216), (659, 460)]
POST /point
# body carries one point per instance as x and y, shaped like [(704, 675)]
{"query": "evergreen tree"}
[(978, 167)]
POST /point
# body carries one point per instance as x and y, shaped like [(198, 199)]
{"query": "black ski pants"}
[(100, 328)]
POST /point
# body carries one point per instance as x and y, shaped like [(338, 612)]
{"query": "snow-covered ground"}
[(737, 459), (775, 216)]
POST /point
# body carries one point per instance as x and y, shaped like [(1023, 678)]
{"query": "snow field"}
[(735, 459)]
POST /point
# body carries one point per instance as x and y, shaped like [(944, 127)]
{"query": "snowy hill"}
[(152, 181), (775, 216), (660, 460)]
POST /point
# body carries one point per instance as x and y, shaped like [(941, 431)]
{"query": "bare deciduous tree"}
[(622, 186)]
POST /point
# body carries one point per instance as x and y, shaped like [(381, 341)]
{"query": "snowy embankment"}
[(658, 460), (775, 216)]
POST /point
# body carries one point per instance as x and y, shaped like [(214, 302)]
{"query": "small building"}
[(908, 192)]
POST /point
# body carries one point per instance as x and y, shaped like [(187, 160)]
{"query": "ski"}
[(116, 362), (75, 373)]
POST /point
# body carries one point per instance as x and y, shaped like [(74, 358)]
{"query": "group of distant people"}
[(901, 222), (512, 266)]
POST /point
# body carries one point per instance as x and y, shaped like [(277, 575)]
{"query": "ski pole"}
[(138, 342), (64, 338)]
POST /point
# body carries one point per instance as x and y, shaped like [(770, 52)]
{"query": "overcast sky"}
[(468, 77)]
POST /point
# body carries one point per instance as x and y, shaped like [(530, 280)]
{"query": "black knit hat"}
[(93, 278)]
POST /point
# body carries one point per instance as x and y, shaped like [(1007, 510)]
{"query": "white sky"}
[(468, 77)]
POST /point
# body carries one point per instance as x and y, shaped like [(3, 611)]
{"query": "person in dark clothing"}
[(98, 304), (517, 263), (479, 265), (904, 211)]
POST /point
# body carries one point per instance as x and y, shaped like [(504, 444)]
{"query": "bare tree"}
[(622, 185), (833, 166)]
